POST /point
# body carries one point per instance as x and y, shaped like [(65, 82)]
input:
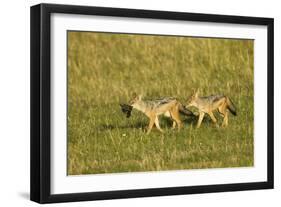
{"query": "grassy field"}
[(104, 70)]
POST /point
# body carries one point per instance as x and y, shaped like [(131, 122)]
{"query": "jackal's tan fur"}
[(211, 103), (168, 106)]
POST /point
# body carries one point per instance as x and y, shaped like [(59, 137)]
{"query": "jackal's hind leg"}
[(201, 116), (157, 124), (174, 124), (222, 110), (225, 119), (176, 118), (221, 113), (213, 118)]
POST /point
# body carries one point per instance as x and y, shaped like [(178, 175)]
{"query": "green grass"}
[(104, 70)]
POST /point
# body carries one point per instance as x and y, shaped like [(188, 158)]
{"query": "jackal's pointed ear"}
[(140, 96)]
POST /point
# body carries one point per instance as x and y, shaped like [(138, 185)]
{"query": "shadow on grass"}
[(190, 120), (206, 120), (164, 122), (104, 127)]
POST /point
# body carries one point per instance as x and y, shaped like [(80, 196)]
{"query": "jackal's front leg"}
[(151, 123), (157, 124), (201, 116)]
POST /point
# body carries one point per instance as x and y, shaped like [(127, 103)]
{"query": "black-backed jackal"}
[(168, 106), (211, 103)]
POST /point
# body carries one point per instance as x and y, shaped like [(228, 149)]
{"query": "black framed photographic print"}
[(132, 103)]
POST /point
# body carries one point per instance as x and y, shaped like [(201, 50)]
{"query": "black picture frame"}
[(41, 99)]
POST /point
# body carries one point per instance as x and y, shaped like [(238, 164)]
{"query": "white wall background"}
[(14, 101)]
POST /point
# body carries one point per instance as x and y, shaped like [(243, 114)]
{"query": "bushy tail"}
[(183, 110), (231, 106)]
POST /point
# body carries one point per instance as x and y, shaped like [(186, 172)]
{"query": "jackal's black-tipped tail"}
[(183, 110), (231, 106)]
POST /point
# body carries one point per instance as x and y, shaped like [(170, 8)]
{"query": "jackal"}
[(211, 103), (168, 106)]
